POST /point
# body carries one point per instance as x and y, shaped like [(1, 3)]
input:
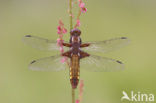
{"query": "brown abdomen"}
[(74, 71)]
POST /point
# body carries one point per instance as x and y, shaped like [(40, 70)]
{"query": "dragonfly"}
[(78, 55)]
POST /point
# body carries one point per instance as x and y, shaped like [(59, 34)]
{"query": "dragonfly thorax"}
[(75, 41), (75, 48)]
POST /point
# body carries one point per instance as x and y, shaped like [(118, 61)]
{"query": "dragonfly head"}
[(75, 32), (75, 36)]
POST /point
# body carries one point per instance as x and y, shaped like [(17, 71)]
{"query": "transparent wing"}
[(107, 45), (101, 64), (52, 63), (40, 43)]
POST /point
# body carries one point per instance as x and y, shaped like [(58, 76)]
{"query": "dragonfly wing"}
[(40, 43), (107, 45), (101, 64), (52, 63)]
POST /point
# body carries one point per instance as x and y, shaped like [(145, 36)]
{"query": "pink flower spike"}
[(64, 59), (61, 49), (64, 30), (81, 90), (61, 23), (59, 30), (80, 1), (59, 42), (78, 22), (82, 5), (77, 101), (60, 35), (83, 10)]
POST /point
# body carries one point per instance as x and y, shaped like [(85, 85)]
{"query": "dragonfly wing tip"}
[(123, 37), (33, 61), (28, 36), (119, 62)]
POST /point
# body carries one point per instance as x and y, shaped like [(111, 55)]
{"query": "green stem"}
[(73, 95), (70, 14), (71, 27)]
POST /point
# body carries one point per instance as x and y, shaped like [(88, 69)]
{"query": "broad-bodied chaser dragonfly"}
[(77, 55)]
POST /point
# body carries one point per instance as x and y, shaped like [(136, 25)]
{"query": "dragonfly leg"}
[(83, 54), (67, 44), (84, 45), (67, 54)]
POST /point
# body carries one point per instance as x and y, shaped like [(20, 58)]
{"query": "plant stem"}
[(78, 17), (70, 14), (79, 14), (71, 27), (73, 95)]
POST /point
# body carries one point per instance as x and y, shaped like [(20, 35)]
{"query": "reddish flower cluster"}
[(82, 6), (61, 30), (78, 23), (83, 9), (80, 92), (77, 101)]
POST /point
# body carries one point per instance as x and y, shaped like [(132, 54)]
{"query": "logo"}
[(137, 97)]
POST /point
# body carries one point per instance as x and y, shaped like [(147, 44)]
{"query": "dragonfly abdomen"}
[(74, 71)]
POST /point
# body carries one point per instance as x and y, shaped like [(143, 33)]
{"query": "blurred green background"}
[(105, 19)]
